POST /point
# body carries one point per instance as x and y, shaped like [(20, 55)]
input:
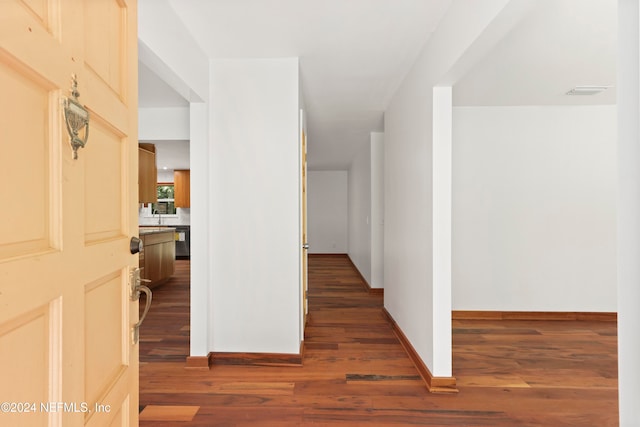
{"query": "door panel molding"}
[(65, 309)]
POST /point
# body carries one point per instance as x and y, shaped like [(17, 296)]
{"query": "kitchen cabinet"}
[(147, 174), (157, 258), (182, 188)]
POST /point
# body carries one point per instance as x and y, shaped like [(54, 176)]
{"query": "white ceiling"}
[(171, 155), (559, 45), (354, 54), (153, 92)]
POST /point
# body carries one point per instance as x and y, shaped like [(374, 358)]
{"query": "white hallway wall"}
[(377, 210), (255, 290), (245, 189), (360, 211), (628, 248), (366, 211), (166, 46), (327, 209), (534, 208), (418, 302), (163, 124)]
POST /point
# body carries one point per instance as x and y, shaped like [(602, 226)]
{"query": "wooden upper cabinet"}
[(182, 188), (147, 174)]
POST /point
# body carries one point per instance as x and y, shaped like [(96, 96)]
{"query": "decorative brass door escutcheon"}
[(76, 117)]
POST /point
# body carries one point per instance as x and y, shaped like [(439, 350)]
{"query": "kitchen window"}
[(165, 205)]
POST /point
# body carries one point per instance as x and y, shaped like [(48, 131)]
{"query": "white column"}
[(442, 144), (200, 256), (628, 87)]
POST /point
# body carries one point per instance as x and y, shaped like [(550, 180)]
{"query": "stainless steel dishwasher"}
[(183, 241)]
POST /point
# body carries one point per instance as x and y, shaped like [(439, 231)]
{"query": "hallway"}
[(355, 372)]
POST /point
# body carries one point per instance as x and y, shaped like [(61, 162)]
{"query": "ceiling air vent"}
[(587, 90)]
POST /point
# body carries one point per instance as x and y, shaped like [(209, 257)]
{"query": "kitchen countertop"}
[(154, 230)]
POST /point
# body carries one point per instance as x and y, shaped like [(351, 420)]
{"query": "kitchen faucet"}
[(159, 216)]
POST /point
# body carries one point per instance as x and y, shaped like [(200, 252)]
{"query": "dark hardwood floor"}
[(355, 372)]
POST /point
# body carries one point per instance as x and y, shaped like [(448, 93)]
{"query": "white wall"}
[(327, 208), (366, 210), (534, 209), (254, 224), (410, 296), (360, 211), (163, 124), (377, 210), (181, 64), (244, 188), (628, 92), (201, 318), (167, 47), (407, 233)]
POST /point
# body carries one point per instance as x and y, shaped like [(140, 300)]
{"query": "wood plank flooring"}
[(355, 372)]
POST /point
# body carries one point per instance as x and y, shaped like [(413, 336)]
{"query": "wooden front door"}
[(67, 356)]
